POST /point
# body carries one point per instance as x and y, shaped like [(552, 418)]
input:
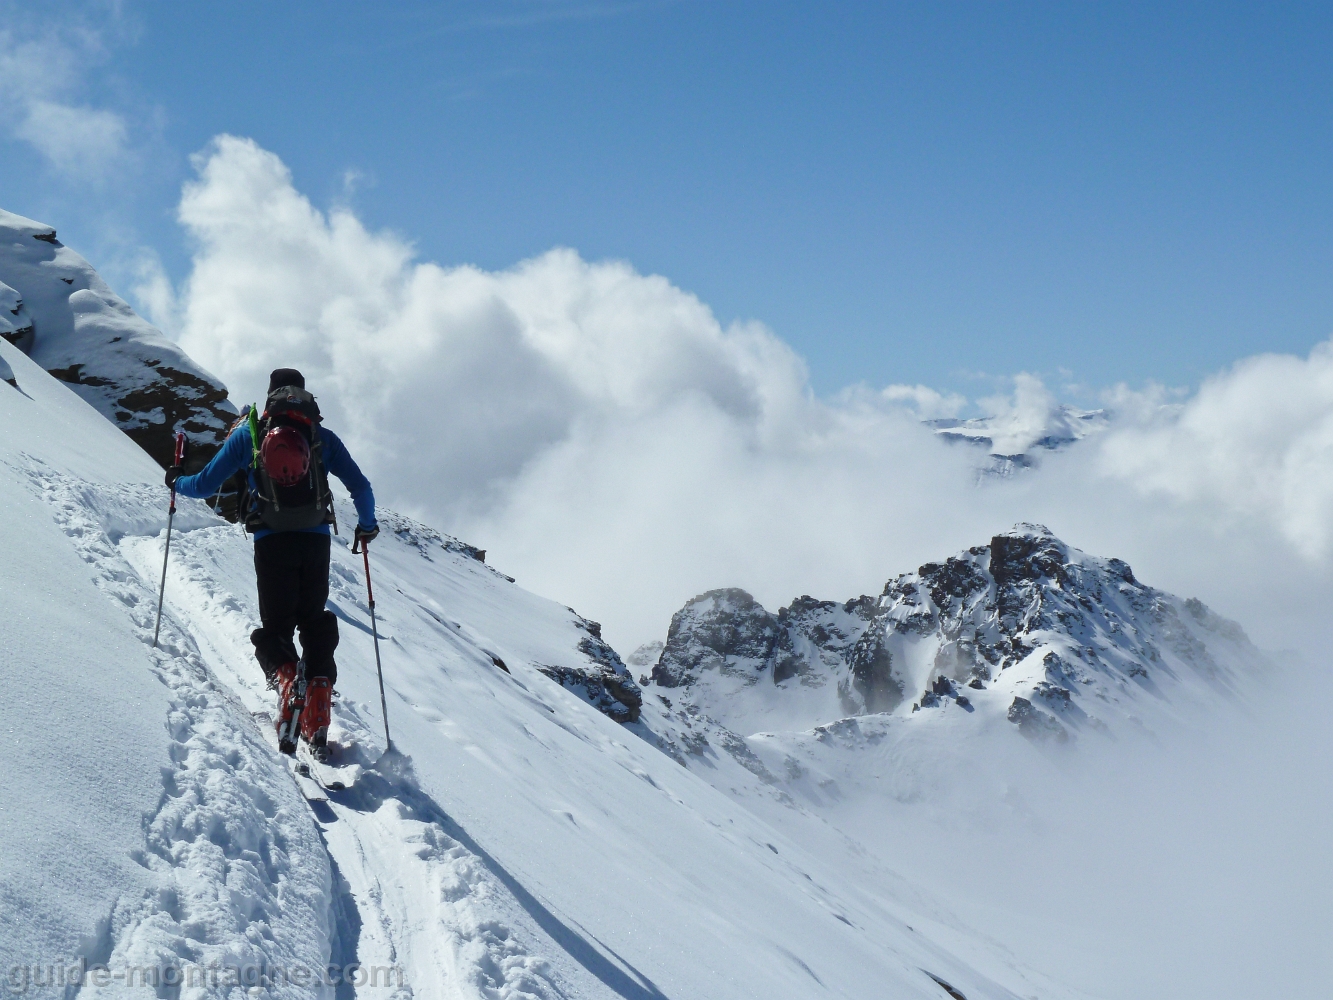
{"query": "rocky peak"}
[(1028, 553), (724, 630), (1058, 639)]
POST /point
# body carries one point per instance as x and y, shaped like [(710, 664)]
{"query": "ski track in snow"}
[(421, 900), (242, 878)]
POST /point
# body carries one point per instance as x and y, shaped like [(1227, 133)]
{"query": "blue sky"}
[(936, 193)]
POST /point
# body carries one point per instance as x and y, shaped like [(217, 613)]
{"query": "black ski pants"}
[(292, 571)]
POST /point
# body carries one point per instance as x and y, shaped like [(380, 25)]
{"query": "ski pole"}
[(171, 516), (375, 632)]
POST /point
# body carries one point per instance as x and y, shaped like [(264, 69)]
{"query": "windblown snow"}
[(518, 842)]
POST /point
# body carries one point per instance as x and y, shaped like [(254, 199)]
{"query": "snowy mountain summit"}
[(1025, 627), (1014, 438)]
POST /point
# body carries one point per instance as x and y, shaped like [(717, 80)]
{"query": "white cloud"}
[(928, 403), (79, 141), (598, 429), (43, 73), (153, 292), (1254, 443), (617, 448)]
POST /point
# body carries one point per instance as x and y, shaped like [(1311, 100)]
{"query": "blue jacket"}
[(237, 453)]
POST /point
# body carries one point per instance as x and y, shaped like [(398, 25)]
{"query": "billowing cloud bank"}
[(617, 448)]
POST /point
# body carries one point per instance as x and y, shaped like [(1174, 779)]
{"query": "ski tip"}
[(336, 786)]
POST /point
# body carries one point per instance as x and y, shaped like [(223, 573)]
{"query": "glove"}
[(364, 535), (174, 473)]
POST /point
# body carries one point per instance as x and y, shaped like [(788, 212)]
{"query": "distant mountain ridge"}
[(1026, 628), (1013, 440)]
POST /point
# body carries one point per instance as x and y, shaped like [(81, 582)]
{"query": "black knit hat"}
[(285, 376)]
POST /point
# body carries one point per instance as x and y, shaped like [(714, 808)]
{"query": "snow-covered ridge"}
[(1026, 627), (59, 311)]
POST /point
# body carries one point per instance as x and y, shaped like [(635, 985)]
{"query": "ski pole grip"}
[(178, 458)]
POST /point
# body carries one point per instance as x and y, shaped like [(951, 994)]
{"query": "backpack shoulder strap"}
[(254, 438)]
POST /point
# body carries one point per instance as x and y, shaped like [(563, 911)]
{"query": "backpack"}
[(308, 503)]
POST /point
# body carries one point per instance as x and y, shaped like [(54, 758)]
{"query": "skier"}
[(287, 453)]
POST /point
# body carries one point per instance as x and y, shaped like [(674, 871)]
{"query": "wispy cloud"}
[(47, 100), (80, 142), (509, 15)]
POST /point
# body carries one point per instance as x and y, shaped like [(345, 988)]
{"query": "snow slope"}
[(144, 820), (57, 309), (518, 843)]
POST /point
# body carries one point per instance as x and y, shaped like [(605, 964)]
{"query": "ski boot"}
[(315, 718), (291, 702)]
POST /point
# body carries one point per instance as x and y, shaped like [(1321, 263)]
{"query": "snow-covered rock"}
[(962, 729), (645, 658), (606, 684), (15, 323), (59, 311)]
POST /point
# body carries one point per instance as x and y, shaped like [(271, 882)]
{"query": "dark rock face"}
[(723, 630), (612, 695), (58, 310), (872, 671), (182, 400)]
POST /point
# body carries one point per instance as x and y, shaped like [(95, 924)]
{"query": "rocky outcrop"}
[(15, 323), (605, 682), (1035, 724), (726, 631), (58, 310)]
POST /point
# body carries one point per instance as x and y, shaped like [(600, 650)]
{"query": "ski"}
[(301, 771), (311, 769), (309, 787)]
